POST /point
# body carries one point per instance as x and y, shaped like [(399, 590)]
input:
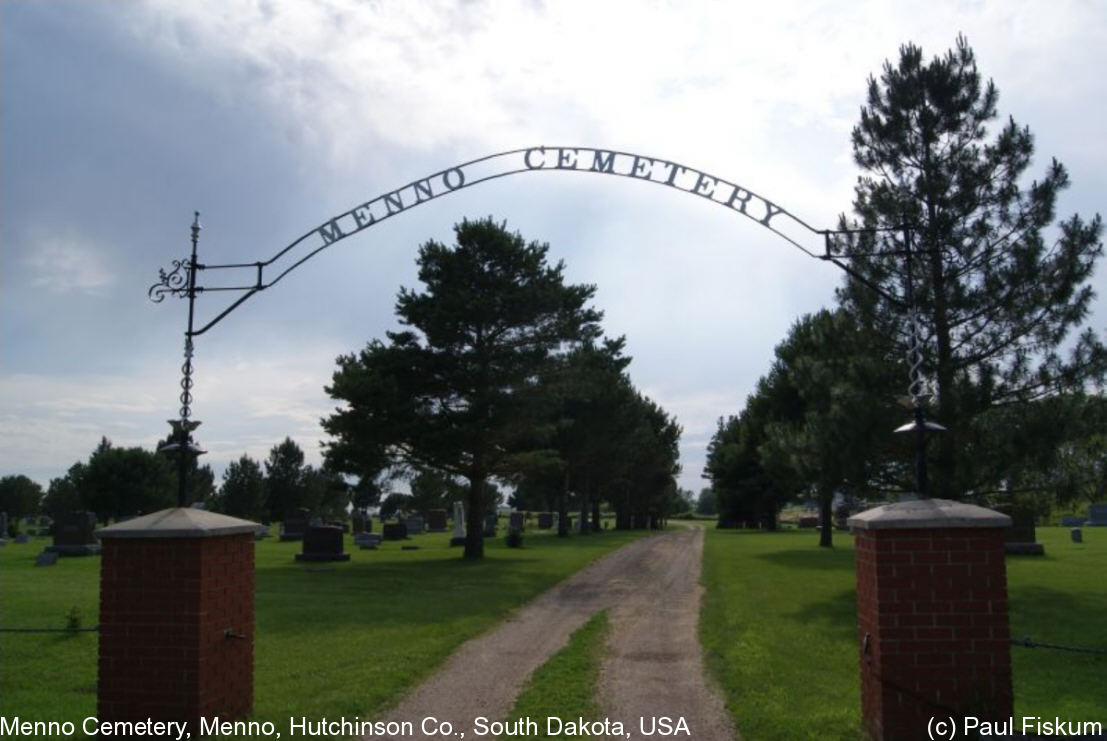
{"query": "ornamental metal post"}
[(180, 439), (915, 389)]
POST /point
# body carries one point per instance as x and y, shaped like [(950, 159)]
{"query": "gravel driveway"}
[(653, 669)]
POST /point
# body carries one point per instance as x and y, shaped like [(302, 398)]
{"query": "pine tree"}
[(1001, 287), (456, 392)]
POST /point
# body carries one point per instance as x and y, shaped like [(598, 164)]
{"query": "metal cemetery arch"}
[(181, 281)]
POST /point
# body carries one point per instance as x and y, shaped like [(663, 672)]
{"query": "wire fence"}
[(1028, 642), (93, 629)]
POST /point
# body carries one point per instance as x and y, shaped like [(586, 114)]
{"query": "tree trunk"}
[(826, 527), (563, 509)]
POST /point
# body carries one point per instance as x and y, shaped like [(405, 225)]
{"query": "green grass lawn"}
[(341, 639), (778, 627), (779, 631), (565, 686)]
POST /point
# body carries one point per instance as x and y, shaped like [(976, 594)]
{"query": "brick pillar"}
[(933, 633), (177, 618)]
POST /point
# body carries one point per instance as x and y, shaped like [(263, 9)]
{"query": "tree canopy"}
[(456, 391), (945, 222), (1000, 285)]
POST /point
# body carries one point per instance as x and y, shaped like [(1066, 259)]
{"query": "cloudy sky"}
[(119, 119)]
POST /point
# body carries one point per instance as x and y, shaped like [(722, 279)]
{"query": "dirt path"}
[(654, 666)]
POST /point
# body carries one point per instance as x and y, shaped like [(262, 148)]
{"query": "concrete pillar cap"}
[(927, 514), (178, 522)]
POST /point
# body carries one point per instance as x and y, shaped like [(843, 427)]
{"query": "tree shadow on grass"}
[(392, 590), (811, 559), (835, 617)]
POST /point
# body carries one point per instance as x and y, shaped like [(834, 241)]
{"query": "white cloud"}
[(249, 405), (67, 263), (366, 94)]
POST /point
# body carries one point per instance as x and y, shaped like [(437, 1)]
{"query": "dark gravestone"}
[(73, 534), (22, 538), (1077, 535), (1020, 539), (545, 520), (490, 523), (436, 521), (47, 558), (515, 522), (414, 525), (1097, 515), (295, 524), (808, 523), (363, 524), (323, 543), (1071, 521), (394, 530)]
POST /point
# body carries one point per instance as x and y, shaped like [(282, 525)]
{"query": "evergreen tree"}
[(1000, 285), (832, 435), (19, 497), (456, 391), (285, 487), (243, 491), (63, 495)]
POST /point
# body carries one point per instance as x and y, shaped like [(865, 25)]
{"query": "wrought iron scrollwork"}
[(174, 282)]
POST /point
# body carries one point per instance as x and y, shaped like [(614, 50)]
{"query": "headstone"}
[(516, 522), (47, 558), (414, 525), (367, 540), (1097, 515), (1077, 535), (394, 530), (491, 521), (22, 538), (545, 520), (436, 521), (362, 523), (459, 524), (73, 534), (295, 524), (1020, 539), (323, 543), (808, 523), (1071, 521)]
